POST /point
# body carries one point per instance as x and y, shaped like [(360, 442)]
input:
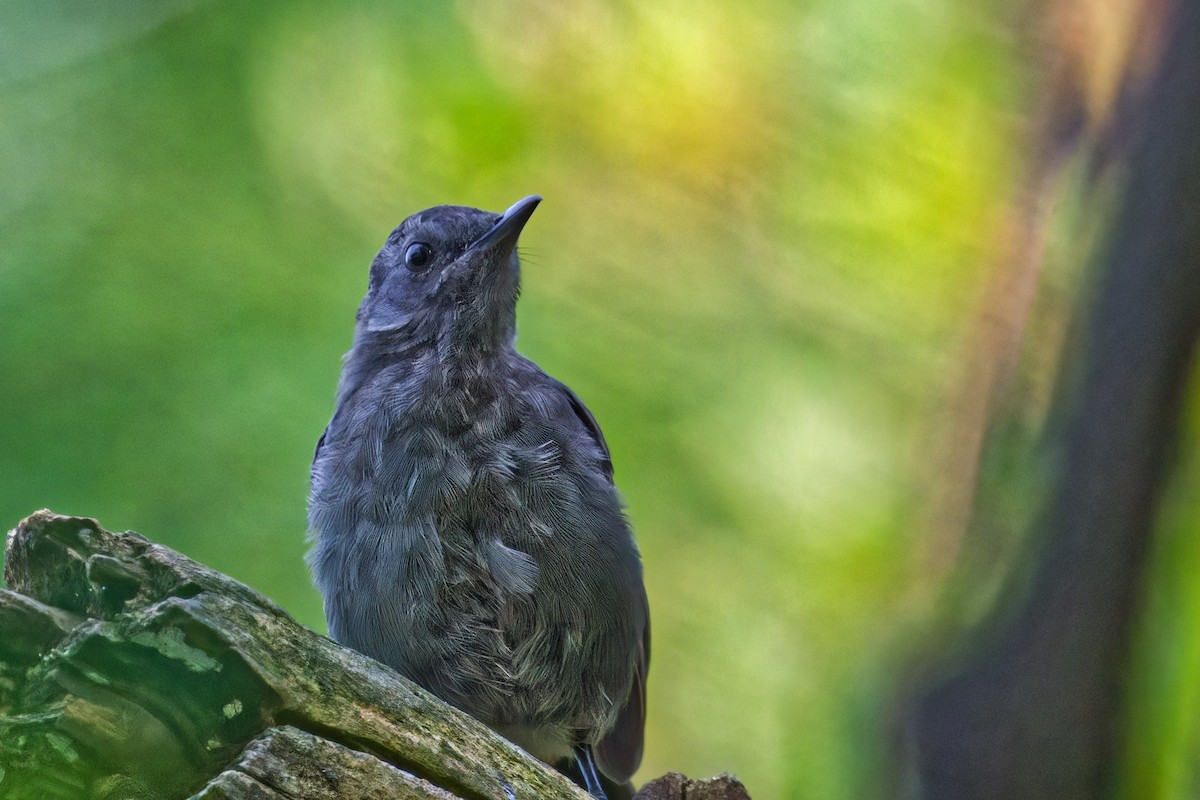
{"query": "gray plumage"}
[(467, 529)]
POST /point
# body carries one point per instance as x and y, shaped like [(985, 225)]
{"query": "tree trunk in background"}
[(1034, 710)]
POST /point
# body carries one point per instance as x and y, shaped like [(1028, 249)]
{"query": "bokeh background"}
[(778, 241)]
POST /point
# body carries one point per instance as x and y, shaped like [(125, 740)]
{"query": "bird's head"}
[(449, 276)]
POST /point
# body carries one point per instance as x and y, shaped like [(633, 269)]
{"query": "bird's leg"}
[(587, 768)]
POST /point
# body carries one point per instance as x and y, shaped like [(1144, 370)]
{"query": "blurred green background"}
[(767, 233)]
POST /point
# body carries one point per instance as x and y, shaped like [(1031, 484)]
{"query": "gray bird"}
[(467, 529)]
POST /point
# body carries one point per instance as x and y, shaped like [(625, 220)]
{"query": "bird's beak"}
[(503, 235)]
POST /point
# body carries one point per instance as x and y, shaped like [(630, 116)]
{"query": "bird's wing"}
[(589, 424), (619, 753), (320, 444)]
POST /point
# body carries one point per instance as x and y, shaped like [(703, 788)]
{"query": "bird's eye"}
[(417, 256)]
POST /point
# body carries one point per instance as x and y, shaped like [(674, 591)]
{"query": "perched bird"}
[(467, 529)]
